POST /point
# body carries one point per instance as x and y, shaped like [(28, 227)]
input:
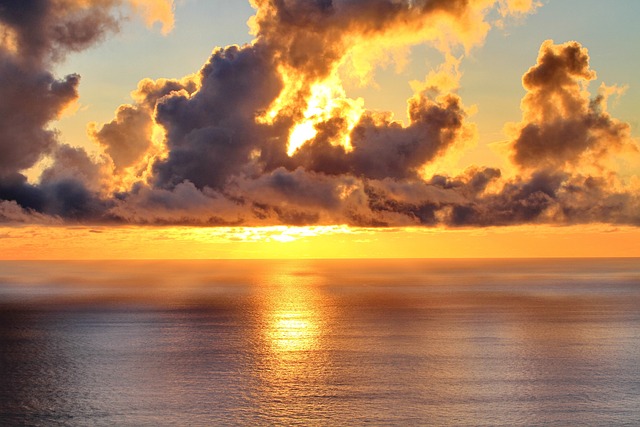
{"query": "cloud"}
[(212, 133), (31, 98), (62, 193), (561, 123), (156, 11), (34, 35), (242, 118), (12, 212), (184, 204), (382, 148), (50, 29), (42, 30), (133, 140), (265, 134)]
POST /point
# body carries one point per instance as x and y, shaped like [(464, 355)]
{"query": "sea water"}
[(326, 343)]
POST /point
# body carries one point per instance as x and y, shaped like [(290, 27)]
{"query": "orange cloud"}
[(154, 11)]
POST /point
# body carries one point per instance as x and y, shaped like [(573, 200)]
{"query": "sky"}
[(325, 128)]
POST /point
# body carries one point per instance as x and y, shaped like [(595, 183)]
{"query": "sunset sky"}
[(319, 128)]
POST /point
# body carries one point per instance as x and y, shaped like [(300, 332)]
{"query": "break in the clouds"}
[(266, 134)]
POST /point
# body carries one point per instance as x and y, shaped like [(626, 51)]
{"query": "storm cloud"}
[(266, 134)]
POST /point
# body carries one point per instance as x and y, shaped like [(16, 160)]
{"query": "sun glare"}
[(327, 109), (301, 133), (328, 101)]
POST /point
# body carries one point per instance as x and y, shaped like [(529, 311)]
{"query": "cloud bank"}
[(265, 134)]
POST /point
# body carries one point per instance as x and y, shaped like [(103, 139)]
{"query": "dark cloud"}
[(73, 164), (310, 36), (13, 213), (62, 193), (183, 204), (44, 30), (15, 188), (31, 98), (213, 133), (34, 33)]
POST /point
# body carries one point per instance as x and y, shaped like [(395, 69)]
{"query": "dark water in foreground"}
[(527, 342)]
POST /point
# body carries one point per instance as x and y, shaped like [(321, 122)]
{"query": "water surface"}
[(403, 342)]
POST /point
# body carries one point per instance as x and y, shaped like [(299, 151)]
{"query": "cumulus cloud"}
[(133, 140), (265, 134), (561, 123), (212, 133)]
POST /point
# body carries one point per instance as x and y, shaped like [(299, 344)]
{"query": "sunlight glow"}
[(326, 110), (327, 100), (301, 133), (278, 233), (107, 242), (8, 38)]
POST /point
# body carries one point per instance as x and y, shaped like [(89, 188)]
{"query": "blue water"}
[(326, 343)]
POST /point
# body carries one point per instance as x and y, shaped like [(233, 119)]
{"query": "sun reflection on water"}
[(293, 318), (294, 327), (292, 332)]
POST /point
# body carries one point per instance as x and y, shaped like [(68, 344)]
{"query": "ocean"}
[(320, 343)]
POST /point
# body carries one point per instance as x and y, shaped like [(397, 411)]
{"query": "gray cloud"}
[(43, 30), (31, 98), (213, 133)]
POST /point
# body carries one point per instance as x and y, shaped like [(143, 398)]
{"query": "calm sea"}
[(326, 343)]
